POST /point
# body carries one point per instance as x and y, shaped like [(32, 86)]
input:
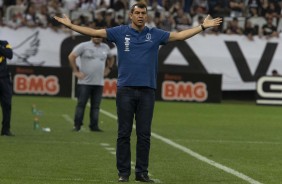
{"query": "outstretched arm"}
[(80, 29), (183, 35)]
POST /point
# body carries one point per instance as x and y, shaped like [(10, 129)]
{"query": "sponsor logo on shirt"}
[(126, 43)]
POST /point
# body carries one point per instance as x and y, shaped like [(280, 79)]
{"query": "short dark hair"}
[(139, 5), (274, 71)]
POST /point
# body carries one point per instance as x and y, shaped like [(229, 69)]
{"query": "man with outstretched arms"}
[(138, 48)]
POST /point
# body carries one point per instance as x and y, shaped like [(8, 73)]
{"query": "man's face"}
[(97, 40), (139, 16)]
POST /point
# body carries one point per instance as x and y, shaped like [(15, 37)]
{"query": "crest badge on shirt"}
[(148, 37)]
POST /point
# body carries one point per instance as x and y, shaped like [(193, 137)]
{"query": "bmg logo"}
[(269, 90)]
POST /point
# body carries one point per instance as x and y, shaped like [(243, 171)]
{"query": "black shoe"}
[(96, 130), (143, 178), (7, 134), (76, 129), (123, 179)]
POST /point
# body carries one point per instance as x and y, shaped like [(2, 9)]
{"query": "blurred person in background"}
[(94, 56), (250, 31), (16, 21), (237, 8), (39, 2), (273, 10), (175, 7), (70, 5), (87, 5), (214, 31), (120, 20), (253, 12), (9, 2), (199, 7), (233, 27), (269, 30), (254, 7), (120, 5), (166, 4), (42, 16), (30, 18), (200, 20), (6, 87), (155, 5), (187, 5), (182, 20), (1, 9), (150, 22), (100, 19), (102, 4), (219, 8), (54, 8), (274, 72), (110, 18), (167, 22)]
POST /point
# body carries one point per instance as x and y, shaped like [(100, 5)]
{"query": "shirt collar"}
[(134, 30)]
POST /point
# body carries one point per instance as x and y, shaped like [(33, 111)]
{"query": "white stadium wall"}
[(240, 61)]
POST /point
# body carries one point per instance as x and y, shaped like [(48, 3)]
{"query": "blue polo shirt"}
[(137, 54)]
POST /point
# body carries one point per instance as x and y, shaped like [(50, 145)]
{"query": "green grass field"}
[(227, 143)]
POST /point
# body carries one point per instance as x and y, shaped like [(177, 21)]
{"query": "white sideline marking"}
[(112, 151), (108, 114), (108, 148), (194, 154), (105, 144), (68, 119), (231, 141), (65, 179)]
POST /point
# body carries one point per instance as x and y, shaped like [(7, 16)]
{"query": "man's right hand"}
[(79, 75), (64, 20)]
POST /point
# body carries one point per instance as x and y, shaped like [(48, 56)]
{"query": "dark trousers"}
[(6, 92), (84, 93), (134, 103)]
